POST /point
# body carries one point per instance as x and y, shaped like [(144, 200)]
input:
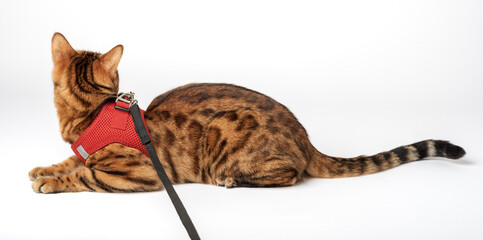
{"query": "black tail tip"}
[(454, 151)]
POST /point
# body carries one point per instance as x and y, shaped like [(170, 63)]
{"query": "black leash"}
[(146, 141)]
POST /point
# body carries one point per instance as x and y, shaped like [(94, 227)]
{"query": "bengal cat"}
[(218, 134)]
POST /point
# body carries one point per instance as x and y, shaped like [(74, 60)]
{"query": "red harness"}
[(111, 125), (123, 122)]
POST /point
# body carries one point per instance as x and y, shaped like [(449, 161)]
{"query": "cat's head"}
[(83, 78)]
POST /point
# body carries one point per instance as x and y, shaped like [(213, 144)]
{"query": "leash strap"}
[(146, 141)]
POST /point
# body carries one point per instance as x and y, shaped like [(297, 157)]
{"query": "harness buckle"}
[(124, 101)]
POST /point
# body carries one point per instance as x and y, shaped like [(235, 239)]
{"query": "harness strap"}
[(146, 141)]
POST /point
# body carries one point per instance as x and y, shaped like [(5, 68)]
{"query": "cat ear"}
[(111, 59), (61, 49)]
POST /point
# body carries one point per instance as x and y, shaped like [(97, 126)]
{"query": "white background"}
[(361, 76)]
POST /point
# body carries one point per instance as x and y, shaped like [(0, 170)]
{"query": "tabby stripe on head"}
[(96, 85), (72, 85), (80, 74), (90, 79), (84, 102), (88, 75)]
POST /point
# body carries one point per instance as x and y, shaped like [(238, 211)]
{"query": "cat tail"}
[(332, 167)]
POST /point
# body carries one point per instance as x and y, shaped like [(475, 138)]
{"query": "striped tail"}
[(331, 167)]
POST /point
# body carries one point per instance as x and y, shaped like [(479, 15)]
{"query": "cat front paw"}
[(40, 172), (36, 172), (45, 185)]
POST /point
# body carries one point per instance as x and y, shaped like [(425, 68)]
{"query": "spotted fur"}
[(218, 134)]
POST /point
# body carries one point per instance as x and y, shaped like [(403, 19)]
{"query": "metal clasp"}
[(127, 98)]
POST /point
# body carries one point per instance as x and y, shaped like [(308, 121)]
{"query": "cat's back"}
[(207, 98), (204, 102)]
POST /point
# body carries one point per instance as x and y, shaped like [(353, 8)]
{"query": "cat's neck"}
[(73, 121)]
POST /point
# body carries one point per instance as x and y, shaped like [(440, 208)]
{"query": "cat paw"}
[(228, 182), (45, 185), (42, 172), (36, 172)]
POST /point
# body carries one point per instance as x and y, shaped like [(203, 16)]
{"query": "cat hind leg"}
[(272, 172)]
